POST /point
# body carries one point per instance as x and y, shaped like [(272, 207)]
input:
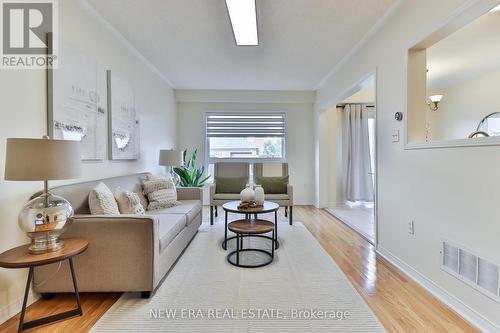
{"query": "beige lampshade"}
[(42, 159), (170, 157)]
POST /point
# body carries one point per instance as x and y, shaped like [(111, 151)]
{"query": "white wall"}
[(449, 193), (298, 106), (23, 114), (463, 106)]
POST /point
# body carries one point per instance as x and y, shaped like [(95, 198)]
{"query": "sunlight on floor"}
[(358, 217)]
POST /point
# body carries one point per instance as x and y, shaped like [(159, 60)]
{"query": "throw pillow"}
[(161, 192), (230, 184), (102, 201), (273, 185), (128, 202)]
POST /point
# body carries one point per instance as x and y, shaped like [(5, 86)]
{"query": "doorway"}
[(355, 160)]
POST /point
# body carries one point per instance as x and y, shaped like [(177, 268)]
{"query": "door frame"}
[(347, 93)]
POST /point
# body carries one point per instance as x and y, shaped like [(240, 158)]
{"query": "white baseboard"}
[(454, 303), (11, 309)]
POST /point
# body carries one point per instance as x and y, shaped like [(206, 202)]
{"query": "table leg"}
[(50, 319), (276, 229), (225, 233), (75, 285), (26, 292), (238, 249), (273, 245)]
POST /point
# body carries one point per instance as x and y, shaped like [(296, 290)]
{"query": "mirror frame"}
[(458, 19)]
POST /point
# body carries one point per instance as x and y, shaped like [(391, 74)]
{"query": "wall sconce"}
[(434, 101)]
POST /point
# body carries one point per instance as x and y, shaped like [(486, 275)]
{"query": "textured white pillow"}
[(161, 192), (128, 202), (102, 201)]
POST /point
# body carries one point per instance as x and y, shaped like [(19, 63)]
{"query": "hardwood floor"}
[(400, 304)]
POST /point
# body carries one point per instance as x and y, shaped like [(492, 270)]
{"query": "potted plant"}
[(189, 174)]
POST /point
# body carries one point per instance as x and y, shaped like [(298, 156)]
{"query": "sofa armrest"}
[(119, 245), (289, 191), (212, 193), (190, 193)]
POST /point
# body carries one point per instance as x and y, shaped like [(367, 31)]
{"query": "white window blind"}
[(245, 136), (257, 125)]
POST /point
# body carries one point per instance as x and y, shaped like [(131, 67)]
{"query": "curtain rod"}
[(368, 105)]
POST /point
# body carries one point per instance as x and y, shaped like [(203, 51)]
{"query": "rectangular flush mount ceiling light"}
[(243, 16), (495, 9)]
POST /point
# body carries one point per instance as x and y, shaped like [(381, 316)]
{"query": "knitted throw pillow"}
[(102, 201), (128, 202), (161, 192)]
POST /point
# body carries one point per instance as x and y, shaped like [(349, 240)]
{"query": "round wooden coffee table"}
[(267, 207), (20, 257), (250, 228)]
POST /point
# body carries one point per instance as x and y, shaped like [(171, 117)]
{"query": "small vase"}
[(259, 194), (247, 194)]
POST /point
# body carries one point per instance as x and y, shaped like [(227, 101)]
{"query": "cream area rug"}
[(302, 290)]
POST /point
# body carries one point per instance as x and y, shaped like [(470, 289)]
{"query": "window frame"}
[(212, 160)]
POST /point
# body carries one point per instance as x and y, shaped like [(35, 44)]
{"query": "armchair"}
[(228, 169), (276, 170)]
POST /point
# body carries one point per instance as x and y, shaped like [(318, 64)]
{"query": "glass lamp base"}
[(45, 244), (175, 178), (44, 219)]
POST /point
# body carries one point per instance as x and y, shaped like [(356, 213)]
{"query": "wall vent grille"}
[(479, 273)]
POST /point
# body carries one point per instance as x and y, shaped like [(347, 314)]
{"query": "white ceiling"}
[(191, 42), (468, 53)]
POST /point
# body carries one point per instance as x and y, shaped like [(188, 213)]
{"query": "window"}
[(245, 136)]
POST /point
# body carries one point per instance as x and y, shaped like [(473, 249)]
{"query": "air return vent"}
[(477, 272)]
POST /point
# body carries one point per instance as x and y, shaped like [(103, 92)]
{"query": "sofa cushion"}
[(169, 225), (277, 197), (188, 208), (227, 196)]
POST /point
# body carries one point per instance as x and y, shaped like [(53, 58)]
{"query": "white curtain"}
[(358, 185)]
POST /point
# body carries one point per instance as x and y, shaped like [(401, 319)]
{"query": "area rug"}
[(302, 290)]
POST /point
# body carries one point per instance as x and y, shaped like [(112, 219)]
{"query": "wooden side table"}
[(251, 228), (268, 207), (19, 257)]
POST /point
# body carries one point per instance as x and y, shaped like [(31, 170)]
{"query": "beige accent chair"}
[(276, 170), (225, 169), (127, 253)]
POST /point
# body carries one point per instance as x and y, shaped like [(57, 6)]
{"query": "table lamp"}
[(171, 158), (45, 217)]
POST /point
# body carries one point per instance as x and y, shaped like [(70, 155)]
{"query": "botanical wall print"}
[(124, 126), (77, 102)]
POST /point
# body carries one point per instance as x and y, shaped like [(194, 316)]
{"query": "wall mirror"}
[(453, 87)]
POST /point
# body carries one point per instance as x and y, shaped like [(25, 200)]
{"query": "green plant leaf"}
[(202, 182), (189, 174)]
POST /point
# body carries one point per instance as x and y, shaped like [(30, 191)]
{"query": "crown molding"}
[(374, 29), (124, 41)]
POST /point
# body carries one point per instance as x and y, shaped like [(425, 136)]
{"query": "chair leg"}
[(286, 211), (211, 215), (216, 211), (291, 215)]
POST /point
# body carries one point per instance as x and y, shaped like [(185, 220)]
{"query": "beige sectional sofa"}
[(131, 253)]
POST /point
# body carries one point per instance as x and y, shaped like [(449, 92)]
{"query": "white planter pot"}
[(247, 194), (259, 194)]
